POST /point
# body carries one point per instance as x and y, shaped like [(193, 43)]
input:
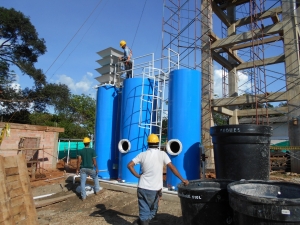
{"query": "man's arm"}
[(78, 164), (95, 164), (177, 174), (130, 166)]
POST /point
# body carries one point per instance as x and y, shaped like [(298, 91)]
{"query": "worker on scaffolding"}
[(150, 180), (88, 167), (126, 59)]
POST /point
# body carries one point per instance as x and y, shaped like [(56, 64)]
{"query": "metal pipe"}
[(174, 147), (124, 146)]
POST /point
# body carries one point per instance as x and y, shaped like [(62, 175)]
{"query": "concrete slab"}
[(128, 188)]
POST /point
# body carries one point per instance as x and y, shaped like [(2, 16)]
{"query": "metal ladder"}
[(155, 99)]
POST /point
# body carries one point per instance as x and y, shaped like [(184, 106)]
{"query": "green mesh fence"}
[(73, 146)]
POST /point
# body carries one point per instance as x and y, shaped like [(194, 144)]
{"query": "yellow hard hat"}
[(86, 140), (153, 139), (122, 43)]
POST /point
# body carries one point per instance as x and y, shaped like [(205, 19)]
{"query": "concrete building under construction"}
[(256, 39)]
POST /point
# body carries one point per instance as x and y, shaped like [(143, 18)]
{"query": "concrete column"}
[(291, 51), (207, 79), (232, 74)]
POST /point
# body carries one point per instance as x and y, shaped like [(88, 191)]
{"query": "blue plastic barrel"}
[(133, 138), (184, 126), (105, 132)]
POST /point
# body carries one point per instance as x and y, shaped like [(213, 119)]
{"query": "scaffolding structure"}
[(256, 45)]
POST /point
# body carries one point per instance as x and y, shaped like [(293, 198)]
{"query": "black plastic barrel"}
[(205, 202), (265, 202), (241, 151)]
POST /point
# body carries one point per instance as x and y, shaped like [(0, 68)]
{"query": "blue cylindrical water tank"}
[(184, 128), (133, 138), (105, 132)]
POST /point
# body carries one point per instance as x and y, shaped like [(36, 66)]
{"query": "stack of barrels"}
[(242, 193)]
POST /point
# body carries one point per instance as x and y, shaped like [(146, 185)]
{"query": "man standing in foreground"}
[(88, 167), (150, 180)]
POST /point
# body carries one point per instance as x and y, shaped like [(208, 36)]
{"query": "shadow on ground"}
[(110, 215), (115, 217)]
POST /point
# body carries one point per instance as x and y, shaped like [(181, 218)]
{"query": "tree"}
[(37, 99), (77, 116), (72, 130), (220, 119), (20, 44), (83, 111)]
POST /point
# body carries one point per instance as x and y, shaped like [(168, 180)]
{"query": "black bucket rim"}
[(238, 129), (182, 186), (204, 190), (281, 201)]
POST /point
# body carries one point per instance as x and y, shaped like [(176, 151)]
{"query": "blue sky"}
[(75, 30)]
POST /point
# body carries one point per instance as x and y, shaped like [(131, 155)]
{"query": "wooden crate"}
[(16, 200)]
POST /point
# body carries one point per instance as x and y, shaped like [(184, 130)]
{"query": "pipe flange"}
[(174, 147), (124, 146)]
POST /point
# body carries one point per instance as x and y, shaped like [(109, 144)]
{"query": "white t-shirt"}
[(152, 162)]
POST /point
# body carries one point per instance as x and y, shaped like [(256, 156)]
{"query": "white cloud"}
[(16, 86), (84, 85), (218, 83), (243, 84)]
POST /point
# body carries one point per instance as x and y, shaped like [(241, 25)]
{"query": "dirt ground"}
[(109, 207)]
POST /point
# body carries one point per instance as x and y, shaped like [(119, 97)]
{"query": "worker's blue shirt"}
[(127, 53)]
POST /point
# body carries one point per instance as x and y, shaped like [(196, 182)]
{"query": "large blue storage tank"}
[(184, 128), (133, 138), (105, 131)]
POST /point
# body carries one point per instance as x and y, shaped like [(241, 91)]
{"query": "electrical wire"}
[(139, 23), (80, 39), (73, 36)]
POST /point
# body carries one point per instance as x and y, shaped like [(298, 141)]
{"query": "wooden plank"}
[(5, 216), (13, 185), (2, 168), (20, 217), (262, 15), (247, 36), (19, 200), (10, 161), (46, 202), (12, 178), (12, 171), (17, 209), (9, 221), (33, 127), (5, 213), (16, 192), (3, 189), (24, 222), (249, 99), (263, 111), (265, 62), (28, 198)]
